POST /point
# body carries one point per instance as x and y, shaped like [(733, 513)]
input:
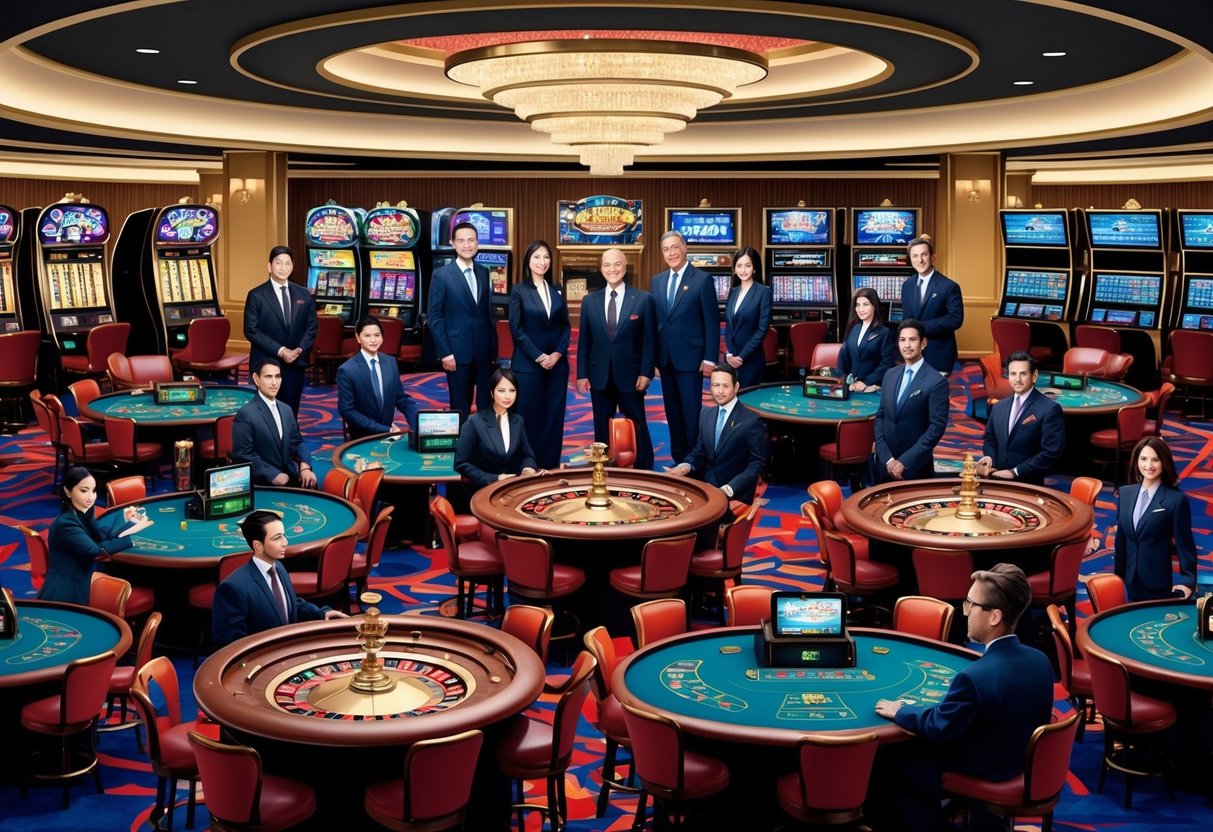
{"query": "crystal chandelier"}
[(606, 97)]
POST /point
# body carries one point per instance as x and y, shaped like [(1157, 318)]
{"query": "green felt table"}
[(50, 635), (400, 463), (1154, 639), (1099, 397), (312, 518), (786, 403), (221, 400), (732, 697)]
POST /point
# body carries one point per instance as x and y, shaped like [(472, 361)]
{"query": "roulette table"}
[(221, 400), (785, 403), (50, 635), (720, 693), (1155, 640), (401, 464)]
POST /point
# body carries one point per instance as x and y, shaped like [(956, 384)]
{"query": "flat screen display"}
[(437, 430), (1196, 230), (1122, 317), (1034, 228), (723, 283), (1038, 285), (1031, 310), (1124, 229), (797, 258), (885, 226), (710, 227), (1194, 321), (229, 480), (799, 227), (882, 259), (1200, 293), (803, 289), (808, 614), (1128, 289), (492, 226), (498, 264), (887, 286), (393, 286)]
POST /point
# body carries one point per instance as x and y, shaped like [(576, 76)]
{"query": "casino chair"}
[(202, 597), (994, 384), (1035, 792), (410, 354), (803, 338), (337, 482), (138, 372), (435, 789), (825, 358), (921, 615), (609, 713), (1120, 440), (1191, 364), (127, 450), (71, 712), (103, 341), (851, 448), (1097, 337), (505, 343), (205, 352), (117, 597), (472, 562), (827, 494), (536, 749), (329, 347), (724, 563), (332, 574), (811, 515), (1106, 591), (770, 350), (944, 574), (664, 567), (1058, 585), (623, 442), (1156, 403), (531, 625), (1011, 335), (533, 575), (1089, 361), (124, 490), (747, 604), (855, 577), (83, 392), (48, 421), (39, 555), (1073, 672), (365, 489), (124, 675), (672, 774), (80, 451), (831, 780), (1119, 364), (658, 619), (393, 333), (367, 555), (218, 449), (239, 796), (1130, 721)]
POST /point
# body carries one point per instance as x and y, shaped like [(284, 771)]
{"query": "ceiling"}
[(880, 87)]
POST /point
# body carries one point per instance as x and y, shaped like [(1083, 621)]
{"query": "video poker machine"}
[(164, 275), (495, 232), (1127, 288), (585, 229), (392, 253), (800, 250), (878, 256), (711, 235), (1194, 298), (1040, 283), (10, 305), (334, 272)]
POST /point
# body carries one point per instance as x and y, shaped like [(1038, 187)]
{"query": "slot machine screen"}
[(1036, 228), (1196, 230), (705, 227), (887, 286), (1037, 285), (492, 227), (802, 289), (393, 276), (723, 282), (885, 226), (799, 227), (1124, 229), (497, 262), (1128, 289), (1194, 321), (798, 258), (1200, 293), (1031, 310), (330, 271)]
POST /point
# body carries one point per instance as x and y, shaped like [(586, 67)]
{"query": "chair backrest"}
[(230, 563), (747, 604), (120, 370), (665, 563), (920, 615), (1098, 337), (329, 331), (808, 510), (1163, 398), (528, 562), (231, 775), (46, 420), (1086, 489), (997, 385), (109, 594), (146, 369), (147, 639), (85, 684), (1010, 336), (770, 345), (1110, 684), (393, 334), (841, 556), (337, 482), (365, 488), (623, 442), (71, 433), (39, 555), (828, 496), (854, 439), (104, 340), (826, 355), (333, 571), (160, 670), (943, 574), (1191, 354), (1063, 646), (1048, 760), (376, 538), (223, 437), (125, 490), (658, 619), (1106, 591), (1118, 366), (83, 391), (803, 338), (598, 641), (568, 709), (444, 523), (208, 338), (438, 775), (657, 748), (530, 625), (834, 772), (20, 351), (736, 536), (1064, 565), (1131, 424), (120, 433), (1089, 360)]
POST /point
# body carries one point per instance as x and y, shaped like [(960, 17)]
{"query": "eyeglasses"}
[(969, 603)]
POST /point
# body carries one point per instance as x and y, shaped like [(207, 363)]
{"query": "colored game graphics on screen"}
[(226, 481), (438, 424), (492, 227), (1129, 289), (885, 228), (1034, 229), (1196, 230), (1200, 293), (698, 228), (1038, 285), (1125, 230), (798, 228), (810, 290), (805, 616)]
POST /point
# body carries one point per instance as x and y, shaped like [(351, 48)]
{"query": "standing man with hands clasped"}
[(913, 411), (935, 300), (280, 324)]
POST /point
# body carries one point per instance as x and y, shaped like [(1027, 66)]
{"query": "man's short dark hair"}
[(260, 365), (276, 250), (464, 224), (724, 367), (255, 524), (365, 321), (1022, 355), (914, 324), (1007, 589), (921, 241)]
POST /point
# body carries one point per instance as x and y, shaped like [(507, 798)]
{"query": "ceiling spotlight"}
[(186, 81), (1053, 54), (146, 51), (1023, 83)]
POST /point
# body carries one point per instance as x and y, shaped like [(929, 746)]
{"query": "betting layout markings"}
[(51, 639), (1152, 637)]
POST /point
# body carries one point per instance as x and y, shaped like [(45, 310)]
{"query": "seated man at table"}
[(1025, 433), (258, 596), (983, 725), (913, 411), (265, 434), (369, 391)]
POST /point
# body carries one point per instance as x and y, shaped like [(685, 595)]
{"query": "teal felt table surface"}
[(1099, 396), (1156, 639), (51, 635), (311, 518), (400, 463), (221, 400), (787, 403), (731, 696)]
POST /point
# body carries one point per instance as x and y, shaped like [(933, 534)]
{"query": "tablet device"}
[(811, 614), (437, 431)]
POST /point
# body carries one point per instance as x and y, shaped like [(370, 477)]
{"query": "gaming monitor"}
[(492, 225), (1196, 229), (816, 614), (799, 227), (885, 226), (1035, 228), (1125, 229), (437, 430), (705, 226)]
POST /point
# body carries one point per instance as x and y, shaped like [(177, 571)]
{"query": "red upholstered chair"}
[(1011, 335), (921, 615), (393, 334), (531, 572), (367, 556), (337, 482), (803, 338), (505, 341), (658, 619), (83, 391), (943, 574), (828, 496), (1191, 367), (531, 625), (1129, 721), (127, 450), (1058, 585), (410, 354), (1035, 792), (330, 346), (536, 749), (1072, 669), (1118, 366), (1156, 404), (124, 675), (71, 712), (332, 573), (240, 797), (80, 451), (202, 596), (995, 381), (1086, 360), (118, 597), (1086, 489), (831, 781), (867, 578), (436, 786), (825, 356), (851, 448), (662, 573), (138, 372), (39, 555), (218, 449), (103, 340), (770, 347), (669, 772), (1120, 440), (811, 515), (472, 562), (205, 352), (48, 421), (747, 604), (609, 719), (1106, 591), (623, 442), (724, 563), (365, 489), (124, 490), (1097, 337)]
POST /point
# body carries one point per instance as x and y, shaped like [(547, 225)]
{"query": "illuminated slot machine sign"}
[(185, 278), (885, 226), (1125, 229), (1035, 294), (332, 274), (1032, 229), (798, 247), (711, 235), (389, 234), (1130, 300), (71, 237), (10, 320)]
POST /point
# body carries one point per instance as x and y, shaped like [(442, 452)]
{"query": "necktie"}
[(1015, 410), (612, 316), (673, 286), (279, 595), (375, 381), (471, 279), (286, 305), (1142, 502), (906, 379), (720, 420), (922, 290)]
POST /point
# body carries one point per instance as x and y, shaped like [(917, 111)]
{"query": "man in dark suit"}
[(1025, 433), (266, 434), (369, 391), (732, 448), (460, 323), (984, 722), (615, 353), (688, 340), (913, 411), (280, 324), (936, 301), (258, 596)]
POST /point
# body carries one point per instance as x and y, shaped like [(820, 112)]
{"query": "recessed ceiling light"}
[(1023, 83), (1053, 54), (188, 81), (148, 51)]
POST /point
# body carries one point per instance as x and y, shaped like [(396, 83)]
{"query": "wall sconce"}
[(1014, 202), (243, 190), (973, 189)]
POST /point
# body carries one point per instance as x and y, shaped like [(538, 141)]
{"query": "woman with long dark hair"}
[(747, 316), (868, 346), (493, 442)]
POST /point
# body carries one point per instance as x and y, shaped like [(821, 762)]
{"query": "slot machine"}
[(1127, 288), (1039, 283), (1194, 298), (585, 229), (164, 275), (800, 253), (879, 259), (495, 231), (392, 255), (711, 236), (333, 268), (10, 308)]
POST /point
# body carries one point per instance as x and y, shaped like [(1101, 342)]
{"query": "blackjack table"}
[(51, 635), (1155, 640), (787, 403), (140, 405)]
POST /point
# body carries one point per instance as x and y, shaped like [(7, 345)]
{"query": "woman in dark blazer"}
[(868, 346), (484, 453), (78, 539), (541, 343), (747, 316), (1145, 534)]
